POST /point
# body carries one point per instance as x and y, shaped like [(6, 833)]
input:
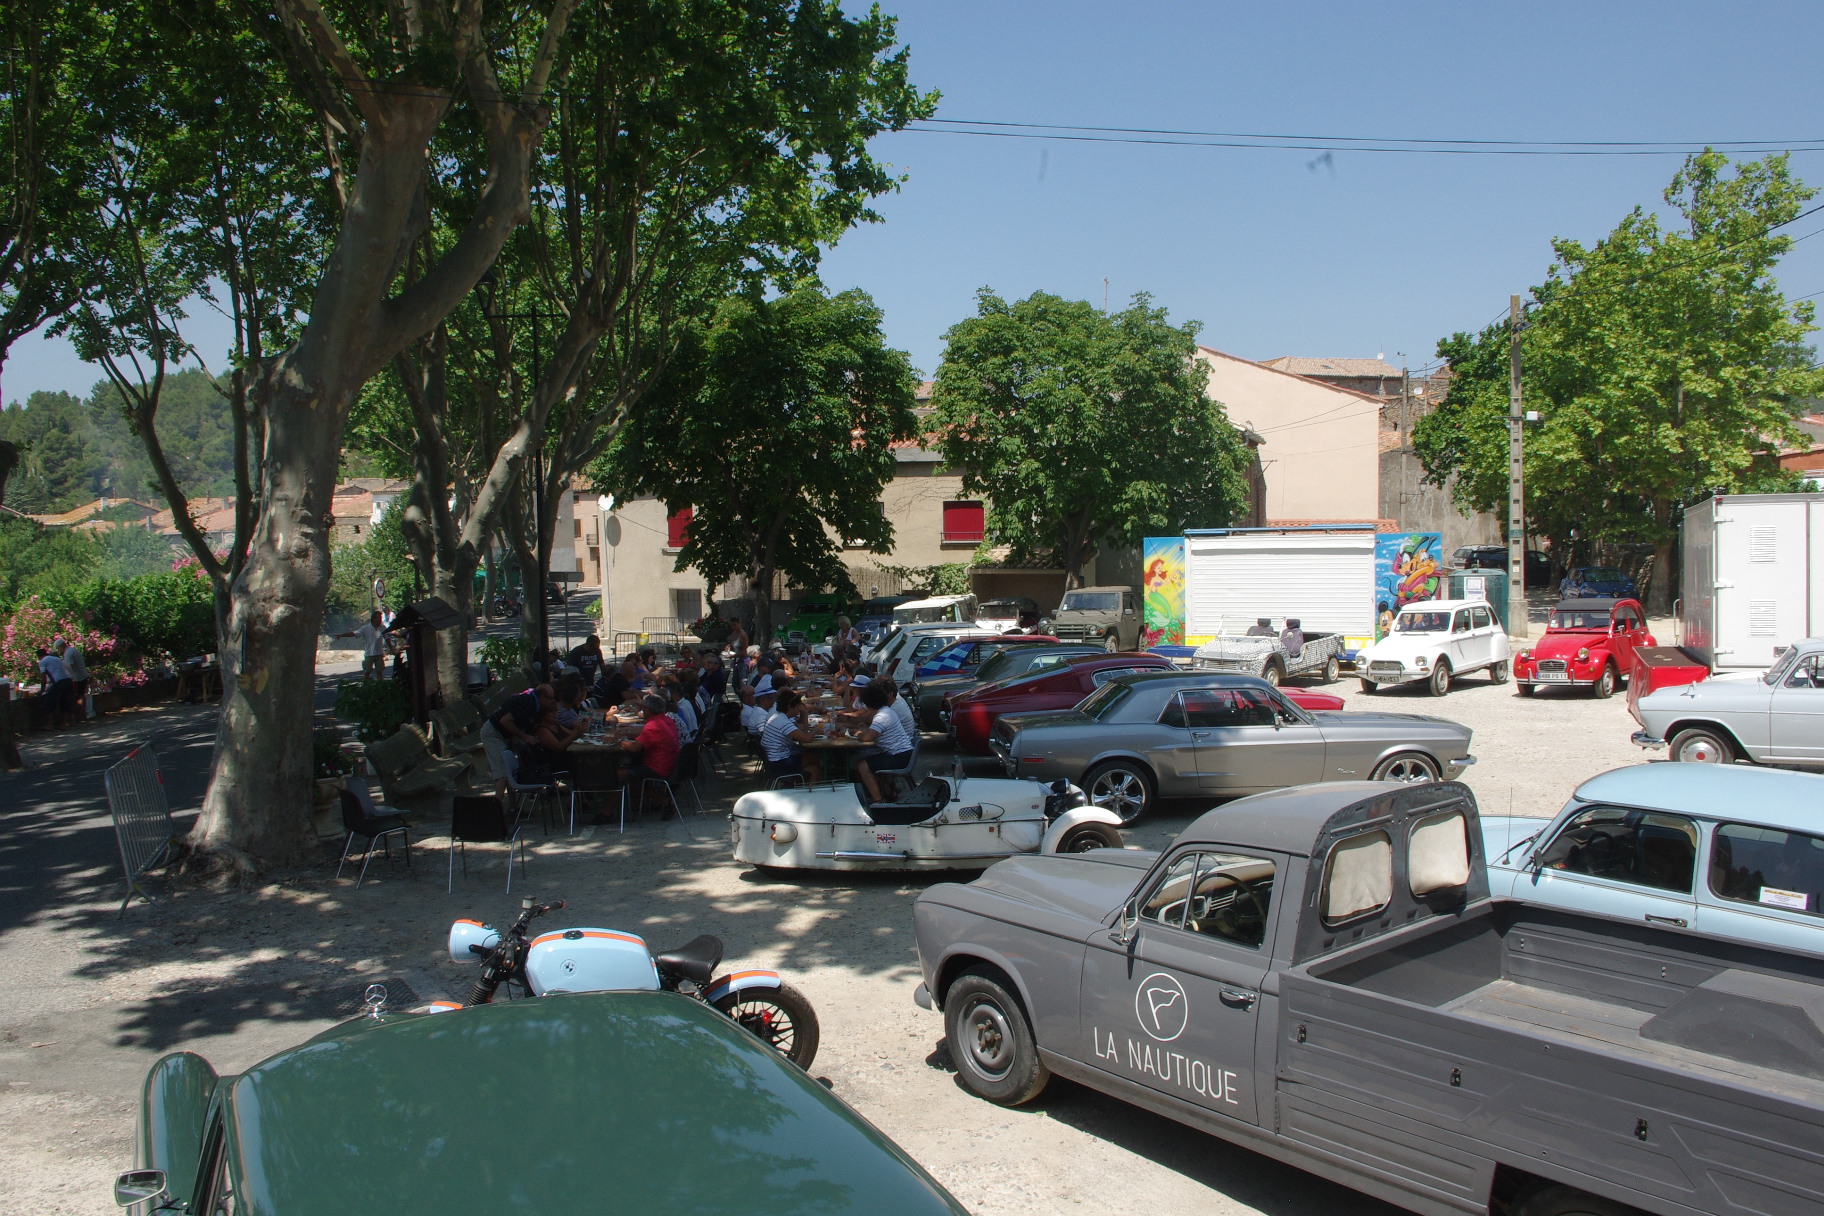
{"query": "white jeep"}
[(1437, 641)]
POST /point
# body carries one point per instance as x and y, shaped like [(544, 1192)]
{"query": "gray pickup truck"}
[(1318, 974)]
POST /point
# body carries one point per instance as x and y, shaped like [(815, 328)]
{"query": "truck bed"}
[(1596, 1053)]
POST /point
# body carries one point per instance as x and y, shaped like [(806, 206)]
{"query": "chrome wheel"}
[(1408, 769), (987, 1038), (1119, 788)]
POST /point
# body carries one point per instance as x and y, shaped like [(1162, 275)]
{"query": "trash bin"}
[(1490, 585)]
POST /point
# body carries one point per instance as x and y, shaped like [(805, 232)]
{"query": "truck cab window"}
[(1221, 895), (1768, 867), (1358, 877), (1644, 848), (1437, 854)]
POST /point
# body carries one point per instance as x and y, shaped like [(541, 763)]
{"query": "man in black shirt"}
[(513, 724)]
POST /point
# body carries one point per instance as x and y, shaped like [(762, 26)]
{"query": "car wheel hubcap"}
[(1409, 771), (1700, 751), (989, 1040), (1121, 792)]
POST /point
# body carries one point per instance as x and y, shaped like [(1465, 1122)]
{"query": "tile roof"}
[(1380, 525), (1300, 365)]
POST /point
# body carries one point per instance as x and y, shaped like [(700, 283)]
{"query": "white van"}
[(901, 653), (953, 608)]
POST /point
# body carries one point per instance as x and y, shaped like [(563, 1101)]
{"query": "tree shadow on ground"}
[(205, 1006)]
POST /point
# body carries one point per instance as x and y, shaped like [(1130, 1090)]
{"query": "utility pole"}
[(1516, 502)]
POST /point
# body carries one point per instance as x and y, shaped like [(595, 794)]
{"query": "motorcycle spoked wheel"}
[(779, 1017)]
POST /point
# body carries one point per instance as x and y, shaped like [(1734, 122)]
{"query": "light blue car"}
[(1723, 850)]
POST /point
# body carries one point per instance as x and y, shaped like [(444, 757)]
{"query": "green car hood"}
[(632, 1102)]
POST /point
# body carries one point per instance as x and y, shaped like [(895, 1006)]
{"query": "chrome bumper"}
[(1641, 738)]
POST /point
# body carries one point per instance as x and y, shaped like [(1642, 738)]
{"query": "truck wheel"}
[(1112, 643), (1332, 670), (1439, 684), (1410, 768), (1604, 688), (1120, 786), (1569, 1201), (1087, 836), (1273, 674), (1369, 686), (991, 1043), (1700, 745), (1499, 673)]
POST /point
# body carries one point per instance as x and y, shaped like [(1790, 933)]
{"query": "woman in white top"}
[(892, 746)]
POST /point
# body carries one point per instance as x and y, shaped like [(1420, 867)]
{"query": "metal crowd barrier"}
[(142, 817)]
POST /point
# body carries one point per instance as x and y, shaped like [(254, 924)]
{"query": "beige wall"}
[(637, 575), (1321, 454), (914, 502)]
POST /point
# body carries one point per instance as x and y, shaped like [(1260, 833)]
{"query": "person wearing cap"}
[(756, 708)]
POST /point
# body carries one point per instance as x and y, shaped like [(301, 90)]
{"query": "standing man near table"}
[(514, 724), (373, 645), (56, 694), (78, 668)]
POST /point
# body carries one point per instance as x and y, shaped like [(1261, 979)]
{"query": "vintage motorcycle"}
[(603, 960)]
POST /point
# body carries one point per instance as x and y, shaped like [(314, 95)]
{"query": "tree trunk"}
[(1660, 593), (760, 581), (454, 584)]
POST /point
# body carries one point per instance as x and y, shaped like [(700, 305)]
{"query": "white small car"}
[(942, 823), (1436, 641)]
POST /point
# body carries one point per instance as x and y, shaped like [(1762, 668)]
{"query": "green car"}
[(813, 621), (604, 1102)]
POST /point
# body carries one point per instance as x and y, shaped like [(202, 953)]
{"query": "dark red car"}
[(970, 716), (1588, 644)]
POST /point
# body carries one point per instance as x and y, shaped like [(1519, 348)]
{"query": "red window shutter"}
[(677, 528), (964, 521)]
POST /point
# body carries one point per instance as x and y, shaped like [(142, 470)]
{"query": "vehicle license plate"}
[(1553, 677)]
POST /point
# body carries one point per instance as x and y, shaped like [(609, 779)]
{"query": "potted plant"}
[(330, 768), (711, 629)]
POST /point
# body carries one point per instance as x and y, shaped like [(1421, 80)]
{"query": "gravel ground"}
[(92, 1000)]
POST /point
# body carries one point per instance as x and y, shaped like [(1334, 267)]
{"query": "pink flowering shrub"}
[(34, 624)]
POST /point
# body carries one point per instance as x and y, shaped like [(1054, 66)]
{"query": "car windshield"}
[(1422, 622), (999, 608), (1781, 666), (1105, 700), (1565, 618), (1602, 574), (993, 666), (1091, 601)]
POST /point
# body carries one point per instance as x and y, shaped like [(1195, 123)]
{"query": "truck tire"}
[(1121, 786), (1604, 687), (1569, 1201), (1112, 643), (1702, 745), (1439, 684), (1274, 673), (1333, 670), (991, 1042)]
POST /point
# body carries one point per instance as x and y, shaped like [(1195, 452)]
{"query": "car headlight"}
[(1583, 654), (1527, 655), (1421, 662)]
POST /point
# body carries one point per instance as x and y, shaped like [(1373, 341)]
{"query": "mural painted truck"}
[(1319, 974)]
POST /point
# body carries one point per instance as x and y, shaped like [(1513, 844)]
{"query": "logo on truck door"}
[(1161, 1007)]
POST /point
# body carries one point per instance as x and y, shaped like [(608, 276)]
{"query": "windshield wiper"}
[(1525, 840)]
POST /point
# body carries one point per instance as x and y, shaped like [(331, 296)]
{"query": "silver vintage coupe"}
[(1153, 735)]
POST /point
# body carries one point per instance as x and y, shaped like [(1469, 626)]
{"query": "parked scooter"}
[(503, 606), (602, 960)]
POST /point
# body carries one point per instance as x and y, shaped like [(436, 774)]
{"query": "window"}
[(1644, 848), (1102, 677), (1480, 618), (1767, 866), (1217, 707), (1221, 895), (1091, 601), (1461, 623), (964, 523), (1437, 854), (1102, 703), (686, 606), (1806, 674), (1358, 877), (677, 528)]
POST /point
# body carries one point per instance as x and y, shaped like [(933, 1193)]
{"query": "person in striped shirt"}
[(892, 748), (783, 737)]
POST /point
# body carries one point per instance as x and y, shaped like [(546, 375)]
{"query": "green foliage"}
[(34, 558), (326, 758), (168, 616), (129, 552), (60, 468), (946, 578), (505, 657), (1084, 429), (353, 568), (1666, 365), (775, 425), (375, 708)]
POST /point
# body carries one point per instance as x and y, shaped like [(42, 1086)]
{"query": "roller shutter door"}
[(1325, 580)]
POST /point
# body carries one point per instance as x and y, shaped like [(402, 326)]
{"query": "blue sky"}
[(1368, 254)]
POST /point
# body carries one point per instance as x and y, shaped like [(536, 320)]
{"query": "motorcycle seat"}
[(695, 960)]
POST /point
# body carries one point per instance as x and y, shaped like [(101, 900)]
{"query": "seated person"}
[(783, 737), (892, 748), (683, 708), (902, 708), (657, 744), (763, 675), (714, 679), (757, 708), (615, 687), (570, 707), (549, 744)]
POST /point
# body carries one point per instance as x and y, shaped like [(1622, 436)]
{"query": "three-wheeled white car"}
[(941, 823)]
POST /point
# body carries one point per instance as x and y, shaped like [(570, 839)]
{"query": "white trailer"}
[(1322, 576), (1753, 577)]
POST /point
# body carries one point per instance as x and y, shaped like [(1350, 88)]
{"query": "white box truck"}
[(1753, 577), (1322, 576)]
